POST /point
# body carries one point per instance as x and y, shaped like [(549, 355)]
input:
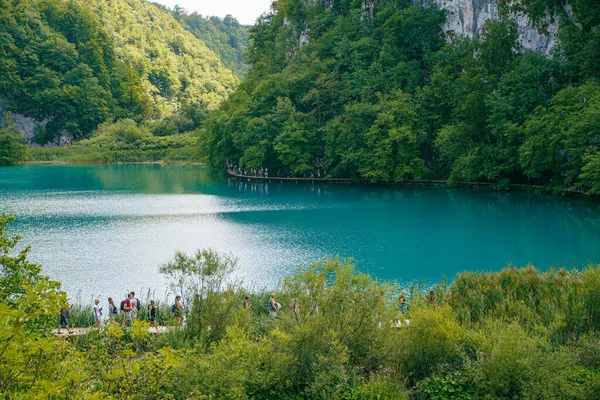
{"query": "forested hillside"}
[(376, 90), (176, 68), (58, 64), (226, 36), (73, 64)]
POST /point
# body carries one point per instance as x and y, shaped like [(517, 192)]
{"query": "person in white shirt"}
[(97, 313), (135, 306)]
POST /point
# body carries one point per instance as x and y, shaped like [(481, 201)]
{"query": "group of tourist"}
[(260, 172), (129, 307), (264, 172)]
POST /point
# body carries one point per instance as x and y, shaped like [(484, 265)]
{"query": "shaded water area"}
[(106, 229)]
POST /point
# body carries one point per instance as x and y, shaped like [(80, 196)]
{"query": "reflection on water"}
[(106, 229)]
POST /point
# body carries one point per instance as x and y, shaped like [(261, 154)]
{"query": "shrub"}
[(433, 339)]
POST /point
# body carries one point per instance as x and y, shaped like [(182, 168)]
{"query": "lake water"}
[(106, 229)]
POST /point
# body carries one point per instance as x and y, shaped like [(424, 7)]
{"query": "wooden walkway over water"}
[(345, 181), (408, 183)]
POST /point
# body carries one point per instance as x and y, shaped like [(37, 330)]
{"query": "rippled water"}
[(104, 230)]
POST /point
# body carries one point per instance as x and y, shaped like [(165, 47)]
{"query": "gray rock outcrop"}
[(27, 125), (467, 18)]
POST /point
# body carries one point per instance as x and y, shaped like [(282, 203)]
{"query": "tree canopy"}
[(72, 64), (376, 90)]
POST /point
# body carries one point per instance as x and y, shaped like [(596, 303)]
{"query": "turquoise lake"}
[(104, 230)]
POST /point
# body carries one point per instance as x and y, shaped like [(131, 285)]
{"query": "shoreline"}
[(58, 162), (432, 183), (442, 184)]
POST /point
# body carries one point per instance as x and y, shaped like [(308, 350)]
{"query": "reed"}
[(565, 301)]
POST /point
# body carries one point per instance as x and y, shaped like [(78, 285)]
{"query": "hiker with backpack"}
[(112, 311), (135, 305), (126, 308)]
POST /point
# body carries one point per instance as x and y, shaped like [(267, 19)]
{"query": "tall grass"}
[(565, 301), (89, 155)]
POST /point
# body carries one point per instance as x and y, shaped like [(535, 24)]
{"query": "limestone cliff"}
[(467, 17), (27, 126)]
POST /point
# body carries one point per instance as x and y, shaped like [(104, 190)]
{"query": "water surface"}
[(106, 229)]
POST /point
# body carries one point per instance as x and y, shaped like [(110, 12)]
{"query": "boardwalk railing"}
[(256, 178), (412, 182)]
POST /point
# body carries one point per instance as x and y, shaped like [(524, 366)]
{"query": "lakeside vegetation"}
[(12, 144), (71, 65), (127, 141), (515, 334), (376, 90)]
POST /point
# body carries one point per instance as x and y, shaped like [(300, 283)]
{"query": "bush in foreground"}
[(342, 342)]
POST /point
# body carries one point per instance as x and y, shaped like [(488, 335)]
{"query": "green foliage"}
[(29, 358), (456, 385), (563, 139), (123, 141), (370, 90), (208, 297), (343, 340), (226, 36), (61, 67), (330, 90), (435, 339), (336, 336), (563, 302), (12, 147), (176, 69), (75, 64)]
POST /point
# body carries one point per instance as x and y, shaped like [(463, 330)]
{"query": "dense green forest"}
[(376, 90), (75, 64), (176, 68), (58, 64), (339, 334), (226, 36)]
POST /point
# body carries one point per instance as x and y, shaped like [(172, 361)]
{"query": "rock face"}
[(467, 17), (28, 125)]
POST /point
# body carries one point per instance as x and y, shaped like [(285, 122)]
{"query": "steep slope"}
[(58, 67), (176, 68), (379, 89), (68, 65), (225, 36), (468, 17)]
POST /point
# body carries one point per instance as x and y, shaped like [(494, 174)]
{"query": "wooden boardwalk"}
[(85, 331), (520, 187), (346, 181)]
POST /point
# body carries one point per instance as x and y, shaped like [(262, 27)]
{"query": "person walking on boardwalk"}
[(152, 314), (112, 311), (178, 310), (135, 306), (64, 313), (97, 314), (127, 310)]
